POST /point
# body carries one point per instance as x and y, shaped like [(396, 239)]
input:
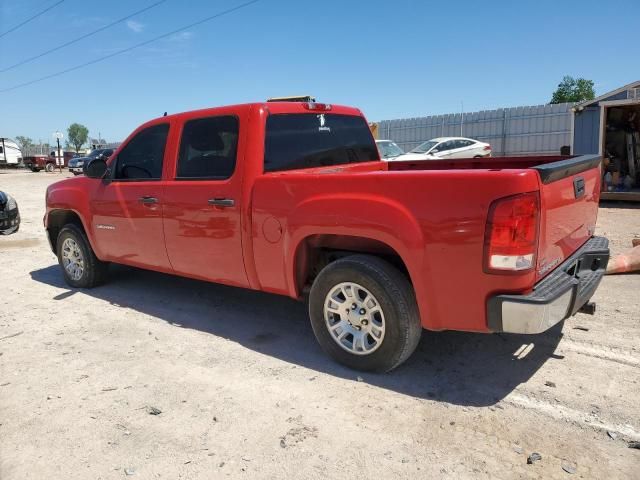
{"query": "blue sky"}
[(391, 59)]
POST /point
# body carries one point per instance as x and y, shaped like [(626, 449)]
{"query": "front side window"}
[(141, 158), (444, 146), (208, 148), (308, 140)]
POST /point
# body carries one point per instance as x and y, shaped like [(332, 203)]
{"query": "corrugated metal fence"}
[(540, 129)]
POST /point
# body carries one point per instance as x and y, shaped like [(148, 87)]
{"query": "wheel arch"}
[(316, 251), (57, 219)]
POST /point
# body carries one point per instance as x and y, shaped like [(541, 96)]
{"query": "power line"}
[(133, 47), (31, 18), (75, 40)]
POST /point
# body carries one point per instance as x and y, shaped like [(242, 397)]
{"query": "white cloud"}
[(182, 36), (134, 26)]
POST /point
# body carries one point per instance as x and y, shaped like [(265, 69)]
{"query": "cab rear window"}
[(296, 141)]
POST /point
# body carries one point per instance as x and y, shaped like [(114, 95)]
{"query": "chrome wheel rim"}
[(354, 318), (72, 259)]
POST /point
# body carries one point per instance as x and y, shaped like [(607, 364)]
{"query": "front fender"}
[(71, 195)]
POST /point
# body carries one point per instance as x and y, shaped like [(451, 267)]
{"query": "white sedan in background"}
[(388, 149), (447, 148)]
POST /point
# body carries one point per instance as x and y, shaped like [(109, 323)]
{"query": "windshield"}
[(424, 147), (389, 149), (95, 153)]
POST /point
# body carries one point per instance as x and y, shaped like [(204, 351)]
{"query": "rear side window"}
[(141, 158), (307, 140), (208, 148)]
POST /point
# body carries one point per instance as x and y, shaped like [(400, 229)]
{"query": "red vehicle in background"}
[(48, 162), (292, 198)]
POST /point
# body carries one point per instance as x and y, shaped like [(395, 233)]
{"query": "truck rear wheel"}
[(364, 314), (80, 266), (49, 167)]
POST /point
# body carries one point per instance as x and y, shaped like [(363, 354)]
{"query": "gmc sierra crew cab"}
[(291, 198)]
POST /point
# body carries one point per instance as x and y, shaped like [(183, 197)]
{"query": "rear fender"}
[(364, 216)]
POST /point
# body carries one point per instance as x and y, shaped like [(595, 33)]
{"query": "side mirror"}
[(95, 168)]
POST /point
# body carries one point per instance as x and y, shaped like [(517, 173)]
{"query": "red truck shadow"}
[(454, 367)]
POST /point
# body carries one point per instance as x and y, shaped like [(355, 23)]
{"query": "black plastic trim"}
[(550, 172), (576, 273)]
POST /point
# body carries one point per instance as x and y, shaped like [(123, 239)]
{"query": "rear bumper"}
[(556, 297)]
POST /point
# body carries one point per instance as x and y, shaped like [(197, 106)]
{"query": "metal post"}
[(57, 159), (504, 133), (461, 116)]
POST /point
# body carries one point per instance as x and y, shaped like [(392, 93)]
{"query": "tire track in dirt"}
[(564, 413), (600, 351)]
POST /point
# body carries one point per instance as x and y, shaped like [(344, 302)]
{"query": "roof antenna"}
[(165, 114)]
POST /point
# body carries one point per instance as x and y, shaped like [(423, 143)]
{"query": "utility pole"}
[(59, 158)]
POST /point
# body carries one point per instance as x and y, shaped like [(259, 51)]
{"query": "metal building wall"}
[(540, 129), (586, 131)]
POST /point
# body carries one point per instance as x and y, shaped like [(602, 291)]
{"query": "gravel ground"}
[(244, 391)]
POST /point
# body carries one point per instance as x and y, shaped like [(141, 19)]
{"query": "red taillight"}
[(511, 237), (487, 147), (317, 106)]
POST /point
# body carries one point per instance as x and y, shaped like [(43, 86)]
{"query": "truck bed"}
[(434, 214)]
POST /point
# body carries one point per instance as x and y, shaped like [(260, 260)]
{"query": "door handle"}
[(146, 200), (222, 202)]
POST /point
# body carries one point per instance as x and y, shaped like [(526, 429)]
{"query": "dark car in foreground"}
[(9, 215), (76, 164)]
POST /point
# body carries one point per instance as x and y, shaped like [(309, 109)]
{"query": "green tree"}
[(573, 90), (25, 143), (77, 135)]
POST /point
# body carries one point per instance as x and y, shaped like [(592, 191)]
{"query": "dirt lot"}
[(244, 391)]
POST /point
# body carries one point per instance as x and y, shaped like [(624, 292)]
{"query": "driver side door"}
[(127, 209), (444, 149)]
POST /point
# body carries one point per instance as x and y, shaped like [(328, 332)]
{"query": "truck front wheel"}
[(80, 266), (364, 314)]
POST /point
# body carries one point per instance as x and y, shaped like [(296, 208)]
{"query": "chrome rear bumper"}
[(556, 297)]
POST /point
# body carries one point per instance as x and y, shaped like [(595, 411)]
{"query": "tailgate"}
[(569, 195)]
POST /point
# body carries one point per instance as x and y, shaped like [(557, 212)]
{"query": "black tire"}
[(94, 272), (35, 170), (396, 297), (50, 167)]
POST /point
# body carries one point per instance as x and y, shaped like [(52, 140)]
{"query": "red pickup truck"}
[(292, 198), (47, 162)]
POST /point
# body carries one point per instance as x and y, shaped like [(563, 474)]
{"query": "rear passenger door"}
[(461, 149), (202, 210)]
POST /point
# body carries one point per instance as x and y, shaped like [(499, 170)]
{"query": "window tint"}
[(310, 140), (446, 146), (141, 158), (208, 148)]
